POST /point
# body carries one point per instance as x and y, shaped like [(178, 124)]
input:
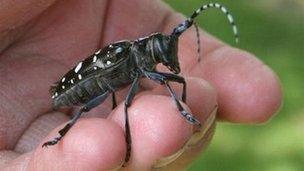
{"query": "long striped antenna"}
[(198, 41), (177, 31)]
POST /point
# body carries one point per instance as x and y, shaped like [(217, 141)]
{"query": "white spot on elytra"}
[(108, 55), (100, 64), (110, 46), (78, 67), (55, 95), (95, 68), (108, 52), (79, 76), (63, 87), (72, 80), (95, 59), (108, 62), (63, 79)]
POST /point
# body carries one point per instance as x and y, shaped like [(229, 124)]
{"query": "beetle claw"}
[(190, 118), (52, 142)]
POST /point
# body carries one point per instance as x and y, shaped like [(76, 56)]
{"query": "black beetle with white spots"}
[(123, 63)]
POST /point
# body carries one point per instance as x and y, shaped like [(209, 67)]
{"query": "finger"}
[(92, 144), (157, 128), (248, 90)]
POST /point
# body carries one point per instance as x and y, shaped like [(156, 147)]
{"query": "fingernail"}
[(193, 142)]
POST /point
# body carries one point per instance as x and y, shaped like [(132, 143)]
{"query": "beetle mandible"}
[(123, 63)]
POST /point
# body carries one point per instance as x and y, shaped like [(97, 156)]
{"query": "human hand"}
[(41, 41)]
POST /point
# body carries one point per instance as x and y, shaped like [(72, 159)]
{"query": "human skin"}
[(42, 39)]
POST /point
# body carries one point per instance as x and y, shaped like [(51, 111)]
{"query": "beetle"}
[(123, 63)]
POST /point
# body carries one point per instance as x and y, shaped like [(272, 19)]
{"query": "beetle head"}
[(165, 51)]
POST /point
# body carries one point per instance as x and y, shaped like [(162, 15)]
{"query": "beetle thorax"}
[(157, 48), (143, 53)]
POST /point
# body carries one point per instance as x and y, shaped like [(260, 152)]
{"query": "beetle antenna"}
[(198, 41), (177, 31)]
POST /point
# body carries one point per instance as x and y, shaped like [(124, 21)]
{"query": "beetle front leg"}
[(91, 104), (161, 77), (189, 117)]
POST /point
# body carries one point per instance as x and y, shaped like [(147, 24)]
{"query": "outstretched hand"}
[(42, 39)]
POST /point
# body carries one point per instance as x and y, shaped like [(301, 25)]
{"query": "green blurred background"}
[(273, 30)]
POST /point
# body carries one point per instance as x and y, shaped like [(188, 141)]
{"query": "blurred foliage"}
[(273, 30)]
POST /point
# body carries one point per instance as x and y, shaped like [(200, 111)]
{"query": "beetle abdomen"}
[(81, 93), (92, 77)]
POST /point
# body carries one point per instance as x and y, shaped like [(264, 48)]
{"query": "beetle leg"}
[(114, 103), (190, 118), (128, 102), (161, 77), (87, 107), (178, 79)]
